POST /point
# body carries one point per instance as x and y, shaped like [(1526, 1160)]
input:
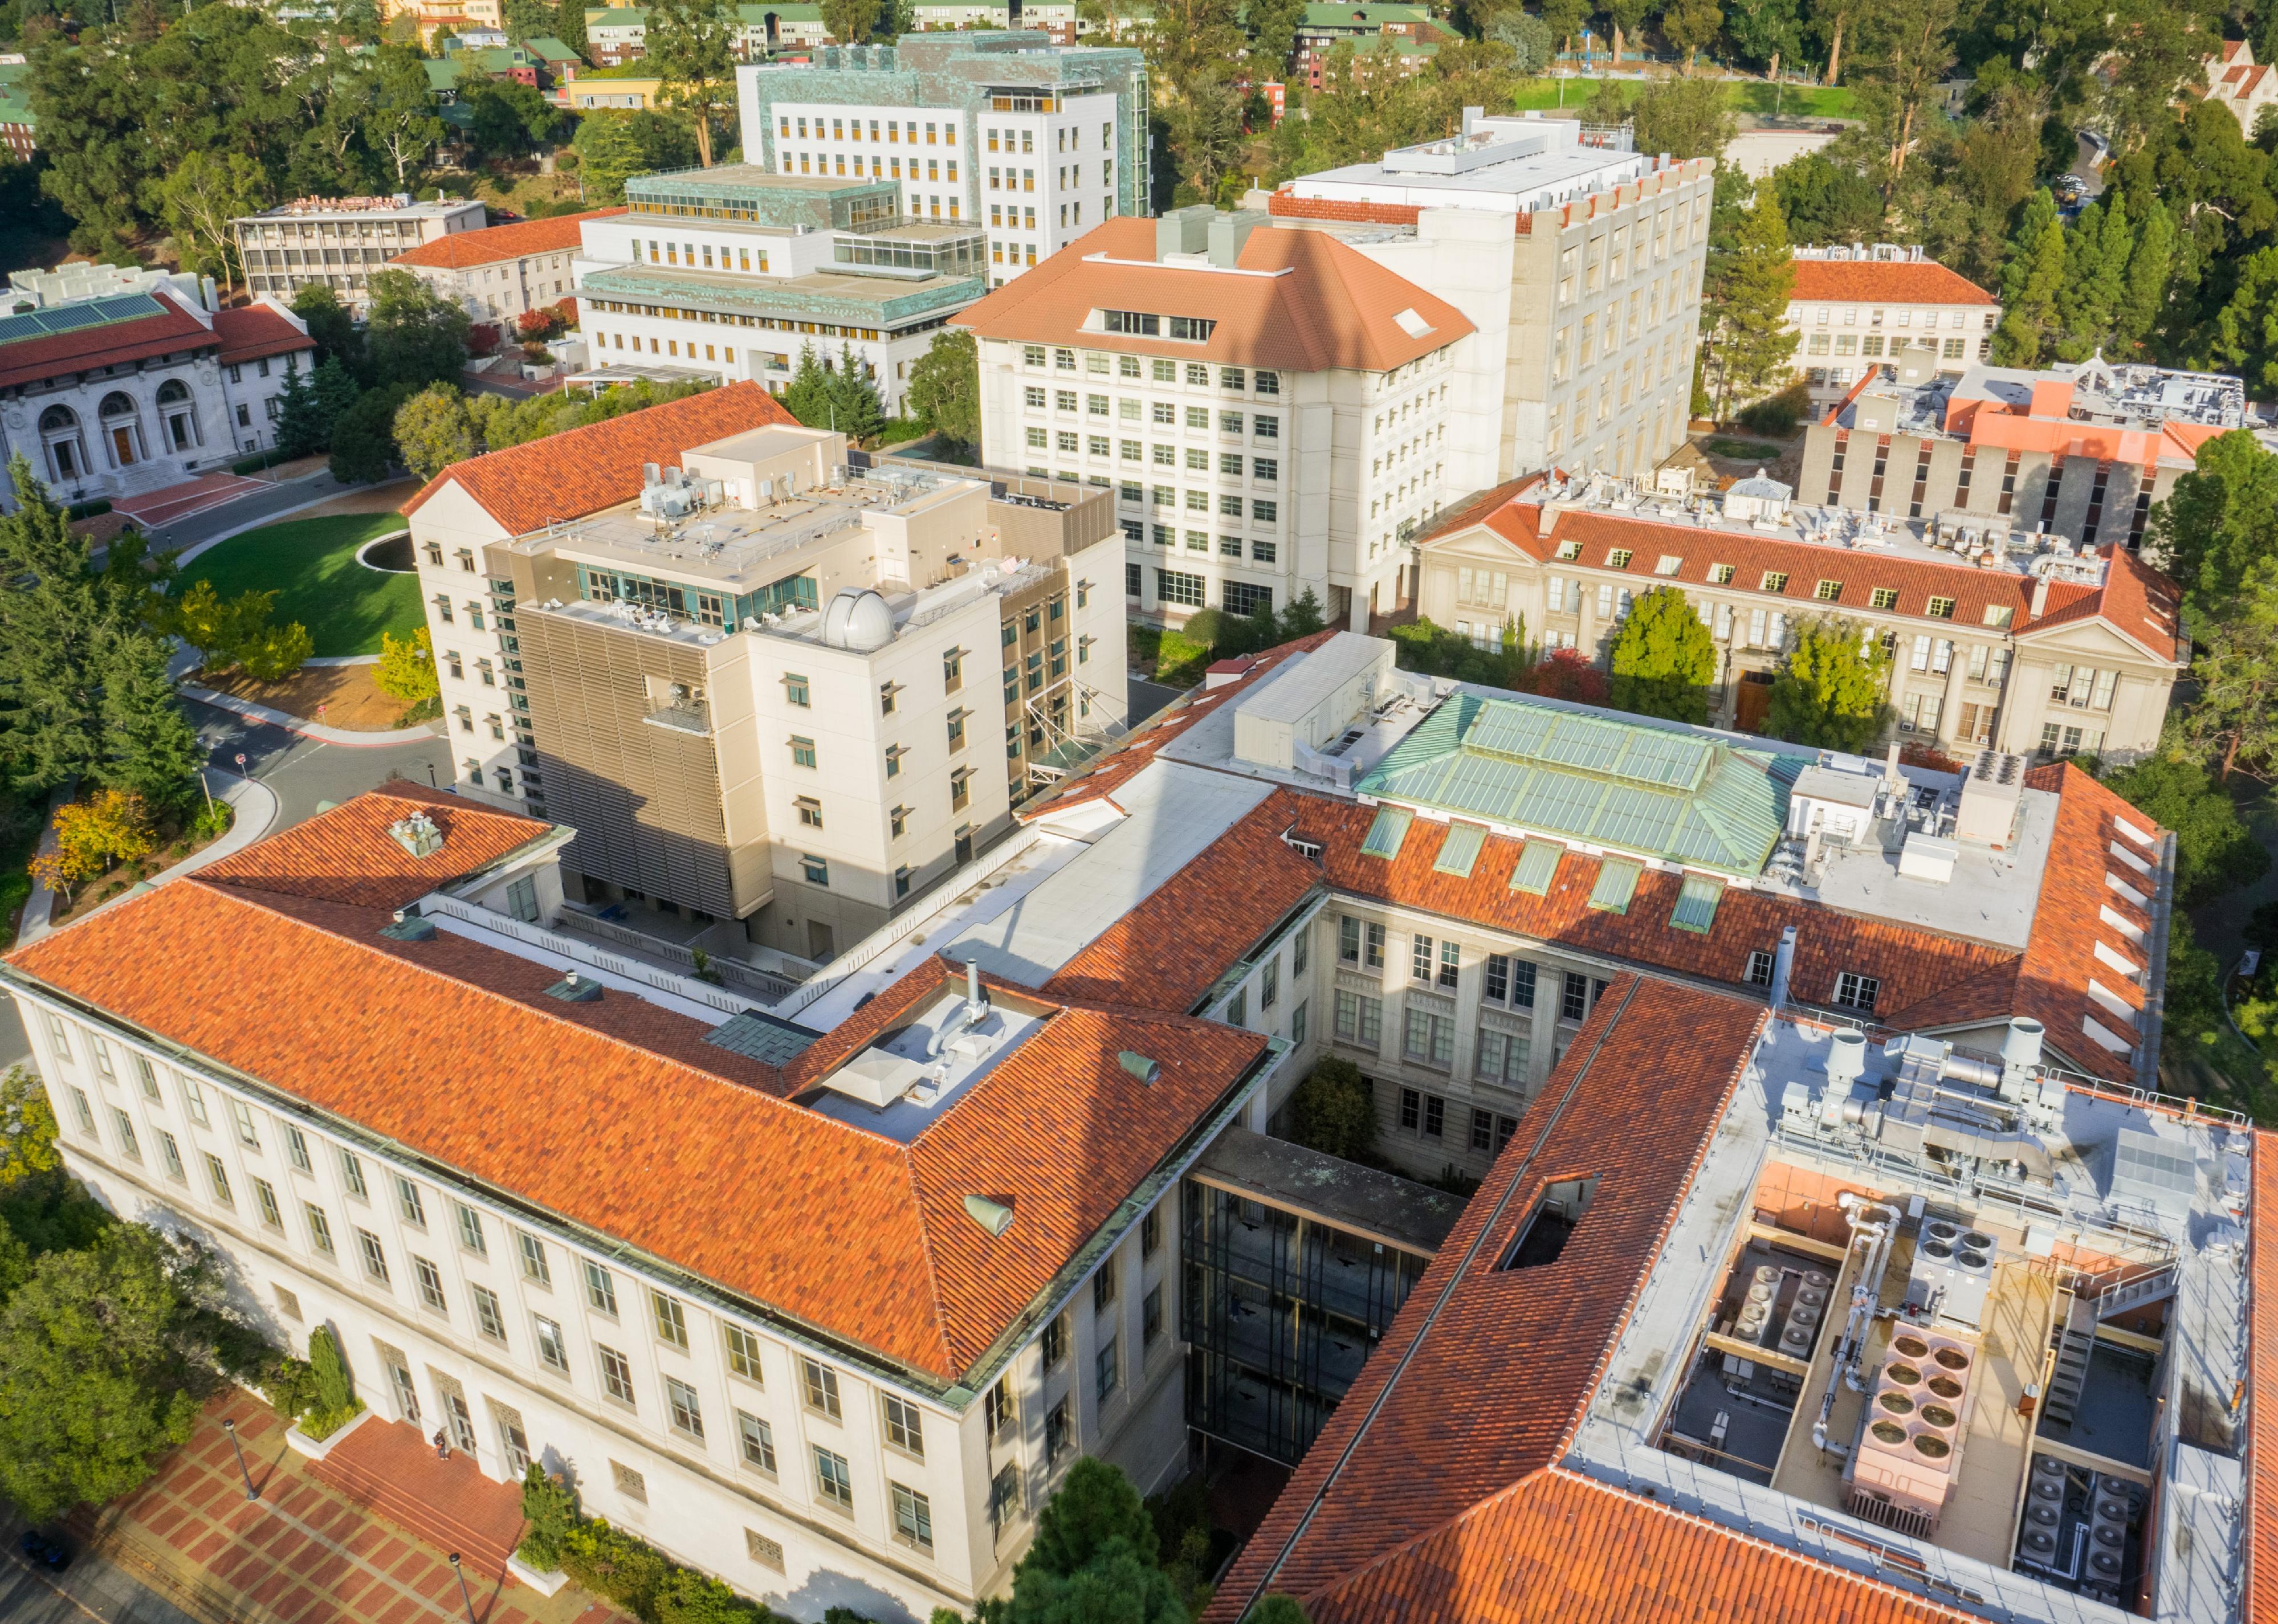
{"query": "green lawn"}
[(311, 566), (1746, 96)]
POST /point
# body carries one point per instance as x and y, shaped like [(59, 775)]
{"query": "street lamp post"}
[(467, 1600), (251, 1493)]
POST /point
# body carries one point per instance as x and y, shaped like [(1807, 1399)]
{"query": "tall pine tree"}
[(2150, 266), (861, 415), (2097, 250), (1751, 344), (153, 749), (62, 618), (2029, 285), (809, 396)]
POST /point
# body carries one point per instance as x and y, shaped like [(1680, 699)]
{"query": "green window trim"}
[(1696, 903), (1537, 867), (1386, 834), (1460, 849), (1618, 881)]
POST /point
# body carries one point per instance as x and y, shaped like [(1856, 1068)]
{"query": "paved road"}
[(247, 509), (304, 772), (2084, 166), (90, 1591)]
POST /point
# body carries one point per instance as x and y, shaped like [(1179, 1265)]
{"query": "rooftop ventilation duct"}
[(574, 988), (1229, 232), (1847, 1059), (417, 834), (1139, 1065), (995, 1217), (1184, 231)]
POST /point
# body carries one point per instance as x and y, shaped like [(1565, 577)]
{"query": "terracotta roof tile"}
[(1240, 886), (554, 234), (1440, 1388), (1331, 308), (583, 470), (347, 856), (1894, 281), (141, 338), (451, 1048), (257, 330), (1559, 1548), (2136, 599)]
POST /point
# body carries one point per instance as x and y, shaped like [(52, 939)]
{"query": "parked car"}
[(48, 1551)]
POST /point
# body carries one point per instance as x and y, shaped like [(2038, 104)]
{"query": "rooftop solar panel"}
[(72, 318)]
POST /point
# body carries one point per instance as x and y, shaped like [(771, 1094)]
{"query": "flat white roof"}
[(1315, 676)]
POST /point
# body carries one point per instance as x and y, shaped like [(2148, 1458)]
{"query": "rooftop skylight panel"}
[(1537, 867), (1460, 849), (1617, 882), (1637, 819), (1696, 903), (1386, 834)]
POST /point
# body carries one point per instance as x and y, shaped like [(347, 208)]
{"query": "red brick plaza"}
[(360, 1538)]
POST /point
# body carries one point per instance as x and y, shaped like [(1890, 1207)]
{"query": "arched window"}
[(172, 391), (66, 456), (116, 405), (180, 417), (122, 429), (58, 420)]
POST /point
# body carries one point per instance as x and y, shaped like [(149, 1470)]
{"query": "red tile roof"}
[(453, 1049), (107, 344), (1485, 1372), (347, 856), (554, 234), (1559, 1548), (1331, 307), (2134, 600), (1239, 887), (257, 331), (1888, 281), (583, 470)]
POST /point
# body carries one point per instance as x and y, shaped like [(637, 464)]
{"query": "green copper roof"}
[(846, 300), (1655, 790)]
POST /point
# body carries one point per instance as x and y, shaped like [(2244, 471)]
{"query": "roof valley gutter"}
[(569, 1230), (1520, 1179)]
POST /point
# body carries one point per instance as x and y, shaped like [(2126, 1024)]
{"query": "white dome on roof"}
[(857, 619)]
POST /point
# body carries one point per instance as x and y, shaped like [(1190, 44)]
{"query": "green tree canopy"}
[(2215, 851), (2217, 531), (1117, 1586), (1685, 118), (1825, 201), (945, 389), (1750, 343), (1331, 1111), (1665, 660), (364, 439), (1829, 690), (2030, 322), (414, 335), (1094, 1508), (104, 1356), (691, 48), (433, 429)]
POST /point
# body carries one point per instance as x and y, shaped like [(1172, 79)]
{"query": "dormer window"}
[(1854, 991)]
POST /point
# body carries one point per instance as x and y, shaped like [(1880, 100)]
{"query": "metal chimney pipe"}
[(1783, 961), (973, 984)]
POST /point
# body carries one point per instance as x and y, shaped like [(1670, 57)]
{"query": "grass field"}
[(311, 566), (1746, 96)]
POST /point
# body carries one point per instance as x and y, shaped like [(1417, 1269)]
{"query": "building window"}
[(1574, 998), (1107, 1371), (834, 1484), (1052, 1346), (600, 1290), (756, 1439), (408, 1204), (296, 1143), (215, 1171), (822, 1384), (471, 1230), (1060, 1431), (616, 1375), (687, 1414), (263, 1196), (488, 1320), (533, 1261), (320, 1228), (1856, 992), (1760, 968), (802, 751), (671, 1320), (905, 1431), (1360, 1019), (375, 1261), (814, 869), (744, 1355), (913, 1518), (551, 1351), (431, 1285), (1429, 1039)]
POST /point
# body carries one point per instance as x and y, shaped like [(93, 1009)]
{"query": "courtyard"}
[(311, 565)]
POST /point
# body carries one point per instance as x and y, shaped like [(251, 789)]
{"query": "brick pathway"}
[(303, 1553)]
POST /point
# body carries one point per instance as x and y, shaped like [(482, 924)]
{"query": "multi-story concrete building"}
[(767, 689), (2080, 451), (501, 271), (2022, 644), (339, 241), (117, 396), (940, 1243), (731, 273), (1272, 408), (1038, 142), (1578, 262), (1854, 308)]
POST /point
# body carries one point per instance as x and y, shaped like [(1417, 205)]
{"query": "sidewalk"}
[(256, 804), (309, 729), (303, 1553)]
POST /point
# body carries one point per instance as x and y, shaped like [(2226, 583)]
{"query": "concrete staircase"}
[(450, 1504)]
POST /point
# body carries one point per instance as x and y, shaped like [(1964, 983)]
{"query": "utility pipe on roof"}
[(1866, 1300), (1783, 963)]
